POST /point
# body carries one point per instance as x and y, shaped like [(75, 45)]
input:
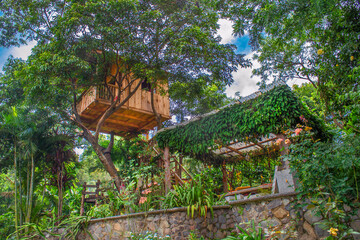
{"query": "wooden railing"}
[(86, 99), (107, 92), (141, 99)]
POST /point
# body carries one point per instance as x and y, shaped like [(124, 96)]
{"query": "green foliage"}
[(194, 196), (193, 236), (272, 112), (328, 174), (322, 48), (71, 226), (147, 235), (251, 233)]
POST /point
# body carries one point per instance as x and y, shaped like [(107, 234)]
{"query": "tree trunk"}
[(31, 190), (16, 200), (225, 179), (60, 190), (105, 158), (167, 170)]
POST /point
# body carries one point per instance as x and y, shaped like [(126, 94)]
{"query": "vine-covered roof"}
[(269, 111)]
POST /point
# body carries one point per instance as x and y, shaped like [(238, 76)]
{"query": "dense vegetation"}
[(176, 41)]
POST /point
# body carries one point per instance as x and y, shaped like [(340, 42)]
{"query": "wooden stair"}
[(88, 196), (177, 170)]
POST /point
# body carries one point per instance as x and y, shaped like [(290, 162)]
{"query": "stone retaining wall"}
[(272, 212)]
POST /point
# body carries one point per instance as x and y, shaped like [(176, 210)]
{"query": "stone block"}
[(280, 212), (285, 201), (309, 229), (306, 237), (311, 217), (274, 204), (320, 232), (355, 225), (222, 219), (274, 222), (117, 227), (164, 224)]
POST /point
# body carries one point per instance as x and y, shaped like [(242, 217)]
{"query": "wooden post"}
[(167, 170), (181, 162), (225, 179), (97, 192), (83, 199)]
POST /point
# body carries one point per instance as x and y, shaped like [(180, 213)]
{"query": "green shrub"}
[(194, 196)]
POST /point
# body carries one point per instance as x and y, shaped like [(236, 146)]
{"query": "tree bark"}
[(225, 179), (104, 154), (157, 115), (167, 170)]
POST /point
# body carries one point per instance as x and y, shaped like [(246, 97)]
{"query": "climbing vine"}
[(271, 112)]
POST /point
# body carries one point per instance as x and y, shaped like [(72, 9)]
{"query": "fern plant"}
[(251, 234), (193, 196)]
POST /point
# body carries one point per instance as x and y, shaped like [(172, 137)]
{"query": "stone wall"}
[(273, 212)]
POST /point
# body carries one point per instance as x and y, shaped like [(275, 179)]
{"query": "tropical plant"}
[(250, 233), (71, 228), (147, 235), (194, 196), (329, 174)]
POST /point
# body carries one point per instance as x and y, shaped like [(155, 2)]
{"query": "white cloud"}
[(23, 51), (225, 31), (243, 80)]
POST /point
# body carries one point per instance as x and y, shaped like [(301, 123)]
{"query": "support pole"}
[(167, 170), (225, 178)]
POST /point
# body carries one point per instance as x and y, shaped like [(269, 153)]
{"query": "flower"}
[(279, 140), (333, 231), (146, 191), (320, 52), (287, 141), (142, 200), (308, 128), (303, 119), (352, 58), (298, 130)]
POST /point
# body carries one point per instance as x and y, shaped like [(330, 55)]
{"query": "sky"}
[(243, 80)]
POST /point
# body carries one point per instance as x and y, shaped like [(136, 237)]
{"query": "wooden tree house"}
[(136, 115)]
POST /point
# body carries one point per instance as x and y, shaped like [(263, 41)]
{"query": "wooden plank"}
[(250, 145), (248, 190), (235, 150)]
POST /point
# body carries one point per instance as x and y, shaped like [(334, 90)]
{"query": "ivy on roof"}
[(274, 111)]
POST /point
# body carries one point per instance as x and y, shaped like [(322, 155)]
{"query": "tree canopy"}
[(317, 41), (161, 41)]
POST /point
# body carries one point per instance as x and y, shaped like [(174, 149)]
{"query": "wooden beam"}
[(235, 150), (259, 145), (250, 145)]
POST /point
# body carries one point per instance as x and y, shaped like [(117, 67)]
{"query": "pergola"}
[(252, 123)]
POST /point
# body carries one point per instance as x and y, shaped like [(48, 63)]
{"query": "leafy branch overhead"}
[(272, 112)]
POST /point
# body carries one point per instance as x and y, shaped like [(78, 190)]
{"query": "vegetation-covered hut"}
[(247, 125)]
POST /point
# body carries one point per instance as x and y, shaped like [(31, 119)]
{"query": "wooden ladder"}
[(90, 197), (176, 169)]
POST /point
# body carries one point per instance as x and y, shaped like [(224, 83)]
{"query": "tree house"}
[(136, 115)]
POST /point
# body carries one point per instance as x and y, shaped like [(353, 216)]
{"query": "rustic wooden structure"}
[(134, 116), (264, 135), (88, 196), (175, 173)]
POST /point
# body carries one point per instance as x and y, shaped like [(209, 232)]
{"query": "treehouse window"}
[(145, 85)]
